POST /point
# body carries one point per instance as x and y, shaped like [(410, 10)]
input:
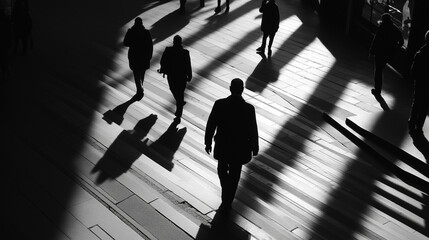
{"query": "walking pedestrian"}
[(176, 64), (419, 72), (139, 41), (269, 24), (387, 41), (236, 140)]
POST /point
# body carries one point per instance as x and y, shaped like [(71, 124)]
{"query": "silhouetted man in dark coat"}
[(385, 44), (236, 139), (176, 63), (269, 24), (139, 41), (419, 72)]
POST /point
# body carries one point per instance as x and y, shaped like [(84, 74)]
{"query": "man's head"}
[(138, 21), (177, 40), (237, 86)]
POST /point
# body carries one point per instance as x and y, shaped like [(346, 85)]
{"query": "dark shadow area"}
[(221, 227), (121, 155), (163, 149), (116, 115), (169, 25), (389, 147), (265, 73), (71, 40)]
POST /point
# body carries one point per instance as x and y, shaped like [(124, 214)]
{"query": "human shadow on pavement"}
[(163, 149), (122, 153), (265, 73), (116, 115), (221, 227)]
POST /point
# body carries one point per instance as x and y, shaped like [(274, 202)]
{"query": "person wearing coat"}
[(385, 44), (140, 51), (236, 139), (269, 24), (176, 63), (420, 106)]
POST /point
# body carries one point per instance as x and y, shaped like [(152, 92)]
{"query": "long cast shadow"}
[(121, 154), (338, 220)]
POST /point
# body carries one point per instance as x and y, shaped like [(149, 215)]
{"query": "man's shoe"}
[(217, 9), (375, 92), (260, 49)]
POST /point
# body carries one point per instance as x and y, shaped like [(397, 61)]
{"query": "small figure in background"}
[(269, 24), (387, 41)]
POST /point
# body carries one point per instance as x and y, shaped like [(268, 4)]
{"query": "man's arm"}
[(210, 129), (188, 67), (254, 137)]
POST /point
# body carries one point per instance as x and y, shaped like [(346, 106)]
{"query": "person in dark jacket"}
[(236, 140), (139, 41), (385, 44), (269, 24), (419, 72), (176, 64)]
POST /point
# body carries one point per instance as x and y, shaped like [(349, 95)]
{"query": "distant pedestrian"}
[(22, 25), (387, 41), (218, 8), (236, 140), (139, 41), (176, 64), (419, 72), (269, 24)]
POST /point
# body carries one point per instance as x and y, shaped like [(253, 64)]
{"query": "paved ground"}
[(82, 162)]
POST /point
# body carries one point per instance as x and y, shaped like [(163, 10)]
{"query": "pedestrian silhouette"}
[(176, 64), (22, 25), (236, 140), (419, 72), (139, 41), (387, 41), (218, 8), (269, 24)]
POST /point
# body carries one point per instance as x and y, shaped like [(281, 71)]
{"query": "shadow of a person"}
[(221, 227), (264, 74), (163, 149), (117, 114), (123, 152)]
